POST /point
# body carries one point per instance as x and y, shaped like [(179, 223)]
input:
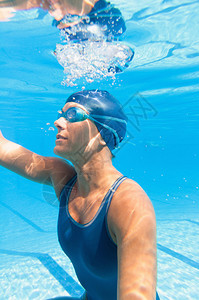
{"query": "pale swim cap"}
[(106, 109)]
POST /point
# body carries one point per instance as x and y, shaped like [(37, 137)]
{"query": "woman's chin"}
[(59, 151)]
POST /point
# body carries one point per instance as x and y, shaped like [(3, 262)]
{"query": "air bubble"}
[(91, 60)]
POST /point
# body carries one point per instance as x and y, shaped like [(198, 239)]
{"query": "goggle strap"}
[(109, 118), (109, 128)]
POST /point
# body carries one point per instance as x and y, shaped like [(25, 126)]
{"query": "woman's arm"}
[(134, 226), (57, 8), (47, 170)]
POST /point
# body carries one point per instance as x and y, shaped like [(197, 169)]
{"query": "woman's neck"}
[(95, 174)]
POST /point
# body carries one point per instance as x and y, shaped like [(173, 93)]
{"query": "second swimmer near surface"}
[(104, 23), (82, 22)]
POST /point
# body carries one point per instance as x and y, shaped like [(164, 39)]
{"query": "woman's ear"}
[(101, 141)]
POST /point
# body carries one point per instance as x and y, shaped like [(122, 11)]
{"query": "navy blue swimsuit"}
[(90, 247)]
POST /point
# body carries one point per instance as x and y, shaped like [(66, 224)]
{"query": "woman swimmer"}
[(82, 14), (106, 223)]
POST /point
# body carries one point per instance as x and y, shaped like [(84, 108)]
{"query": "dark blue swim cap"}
[(106, 109)]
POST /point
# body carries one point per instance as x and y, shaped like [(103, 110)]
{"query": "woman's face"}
[(74, 140)]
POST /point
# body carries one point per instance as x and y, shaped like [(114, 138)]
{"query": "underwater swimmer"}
[(106, 222)]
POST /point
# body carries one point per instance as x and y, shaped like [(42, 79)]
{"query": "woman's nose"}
[(60, 123)]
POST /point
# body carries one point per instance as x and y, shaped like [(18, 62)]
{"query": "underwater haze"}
[(160, 94)]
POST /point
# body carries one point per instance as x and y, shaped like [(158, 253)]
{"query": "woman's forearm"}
[(24, 162)]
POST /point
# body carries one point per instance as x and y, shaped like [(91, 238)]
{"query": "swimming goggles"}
[(76, 114)]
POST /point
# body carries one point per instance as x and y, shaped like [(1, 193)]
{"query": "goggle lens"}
[(73, 114)]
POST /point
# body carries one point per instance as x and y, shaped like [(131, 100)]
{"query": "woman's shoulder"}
[(130, 197), (130, 187), (130, 207)]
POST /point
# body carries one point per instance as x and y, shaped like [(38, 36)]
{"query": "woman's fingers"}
[(6, 13)]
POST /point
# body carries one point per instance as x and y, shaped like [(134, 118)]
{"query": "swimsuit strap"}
[(112, 190)]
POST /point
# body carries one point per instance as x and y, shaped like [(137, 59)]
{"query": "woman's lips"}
[(60, 137)]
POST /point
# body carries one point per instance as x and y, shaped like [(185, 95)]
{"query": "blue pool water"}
[(161, 151)]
